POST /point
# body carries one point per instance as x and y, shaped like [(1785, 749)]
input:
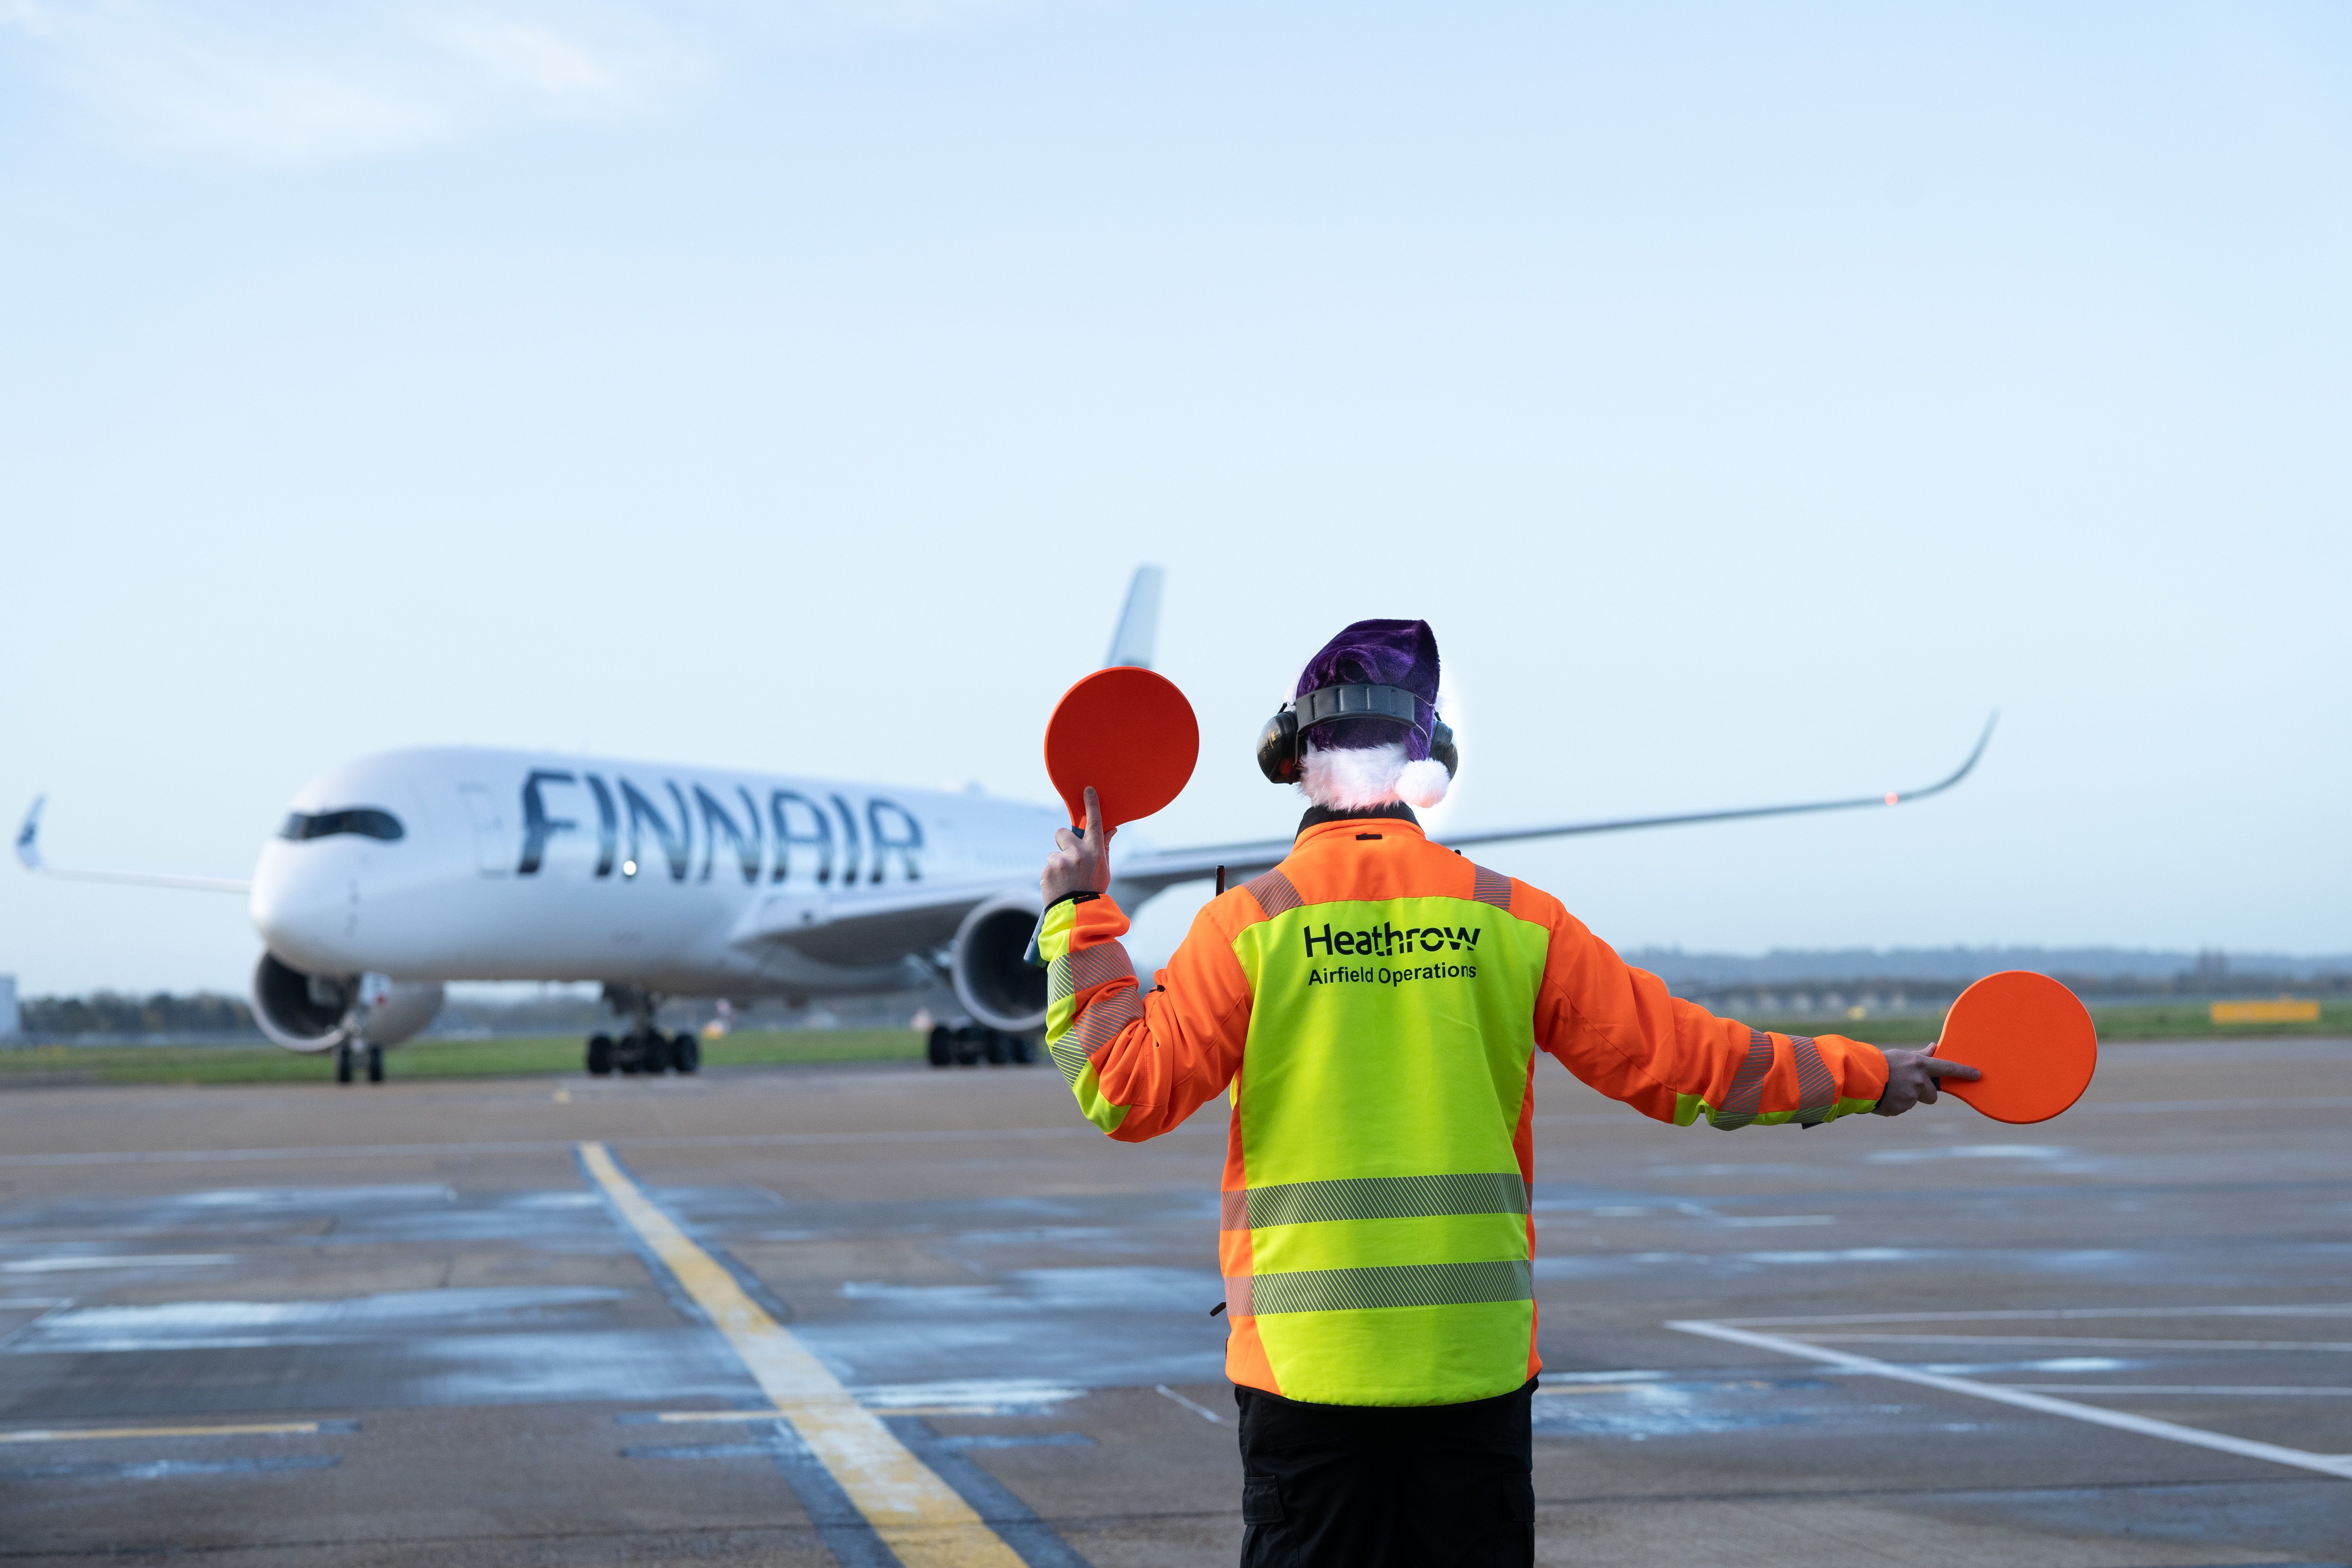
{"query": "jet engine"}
[(993, 977), (318, 1012)]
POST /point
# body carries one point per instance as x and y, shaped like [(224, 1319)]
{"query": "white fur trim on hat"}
[(1352, 778), (1424, 783)]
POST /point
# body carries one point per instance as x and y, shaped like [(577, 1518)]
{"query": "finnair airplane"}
[(400, 872)]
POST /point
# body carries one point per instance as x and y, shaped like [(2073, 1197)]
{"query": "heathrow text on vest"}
[(1387, 941)]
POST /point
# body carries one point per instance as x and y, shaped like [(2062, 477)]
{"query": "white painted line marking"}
[(2023, 1314), (2101, 1342), (2039, 1151), (2338, 1465), (118, 1260), (2146, 1107), (1593, 1388), (2216, 1390), (76, 1434), (918, 1516), (677, 1416), (1201, 1410)]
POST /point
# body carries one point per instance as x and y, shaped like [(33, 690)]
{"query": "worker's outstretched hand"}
[(1080, 862), (1911, 1079)]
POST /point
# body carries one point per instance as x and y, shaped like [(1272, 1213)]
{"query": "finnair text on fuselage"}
[(792, 821)]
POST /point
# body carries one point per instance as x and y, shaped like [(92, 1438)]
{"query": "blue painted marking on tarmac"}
[(751, 1284), (164, 1469), (847, 1533), (1015, 1523), (664, 1281), (1020, 1440)]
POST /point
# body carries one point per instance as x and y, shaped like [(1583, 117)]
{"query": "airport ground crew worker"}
[(1374, 1005)]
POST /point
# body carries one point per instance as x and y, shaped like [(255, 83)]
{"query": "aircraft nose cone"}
[(302, 915)]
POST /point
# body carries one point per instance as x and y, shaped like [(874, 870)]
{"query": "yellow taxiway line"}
[(918, 1515)]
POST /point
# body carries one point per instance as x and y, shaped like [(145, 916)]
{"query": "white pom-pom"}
[(1424, 783)]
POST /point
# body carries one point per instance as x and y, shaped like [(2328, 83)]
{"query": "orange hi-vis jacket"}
[(1374, 1005)]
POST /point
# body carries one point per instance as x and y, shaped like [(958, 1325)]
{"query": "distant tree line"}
[(112, 1013)]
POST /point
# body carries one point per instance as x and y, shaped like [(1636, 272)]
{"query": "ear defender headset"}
[(1277, 743)]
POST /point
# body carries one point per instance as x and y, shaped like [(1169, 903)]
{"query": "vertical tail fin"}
[(1138, 623), (28, 837)]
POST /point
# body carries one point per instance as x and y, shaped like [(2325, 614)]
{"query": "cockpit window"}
[(368, 821)]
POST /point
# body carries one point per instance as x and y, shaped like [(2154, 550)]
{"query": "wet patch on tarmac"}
[(1638, 1412), (169, 1469)]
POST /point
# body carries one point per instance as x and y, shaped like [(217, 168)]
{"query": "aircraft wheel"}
[(343, 1063), (375, 1064), (655, 1056), (685, 1053), (600, 1055), (995, 1046), (968, 1045), (1025, 1050), (628, 1054), (942, 1046)]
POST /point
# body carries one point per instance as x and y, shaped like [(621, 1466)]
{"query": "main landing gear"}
[(968, 1045), (643, 1050), (347, 1061)]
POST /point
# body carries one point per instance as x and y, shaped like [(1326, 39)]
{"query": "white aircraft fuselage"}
[(694, 881)]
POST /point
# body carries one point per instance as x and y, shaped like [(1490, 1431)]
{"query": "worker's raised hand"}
[(1911, 1079), (1080, 862)]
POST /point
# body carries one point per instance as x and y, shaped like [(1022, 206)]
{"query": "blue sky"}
[(1752, 397)]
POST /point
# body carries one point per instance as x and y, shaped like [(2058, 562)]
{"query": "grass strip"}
[(529, 1056), (2118, 1022)]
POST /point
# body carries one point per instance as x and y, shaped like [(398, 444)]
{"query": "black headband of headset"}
[(1325, 703)]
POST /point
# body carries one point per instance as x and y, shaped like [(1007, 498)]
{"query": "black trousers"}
[(1352, 1486)]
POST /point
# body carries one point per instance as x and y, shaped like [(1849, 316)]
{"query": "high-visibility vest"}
[(1374, 1005)]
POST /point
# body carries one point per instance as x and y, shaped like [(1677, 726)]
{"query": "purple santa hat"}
[(1381, 653)]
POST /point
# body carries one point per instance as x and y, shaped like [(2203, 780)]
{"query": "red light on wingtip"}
[(1892, 797)]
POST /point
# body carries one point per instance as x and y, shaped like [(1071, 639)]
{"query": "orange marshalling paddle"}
[(1130, 735), (2032, 1038)]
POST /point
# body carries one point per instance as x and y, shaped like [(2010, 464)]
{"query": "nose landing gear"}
[(347, 1060), (968, 1045)]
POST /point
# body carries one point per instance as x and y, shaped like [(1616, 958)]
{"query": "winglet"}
[(1138, 623), (28, 837), (28, 853), (1897, 797)]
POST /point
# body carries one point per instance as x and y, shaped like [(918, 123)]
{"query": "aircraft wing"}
[(1140, 875), (853, 925), (29, 851)]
